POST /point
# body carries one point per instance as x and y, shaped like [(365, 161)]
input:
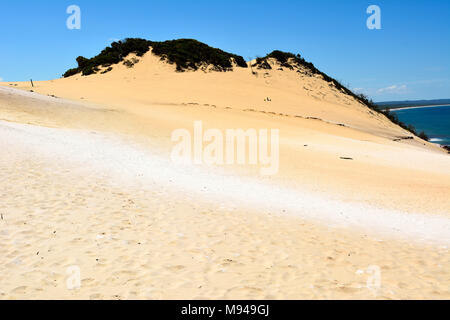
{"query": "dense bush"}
[(185, 53), (262, 64), (130, 63), (71, 72), (110, 55), (189, 54)]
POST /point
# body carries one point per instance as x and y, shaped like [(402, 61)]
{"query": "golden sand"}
[(86, 181)]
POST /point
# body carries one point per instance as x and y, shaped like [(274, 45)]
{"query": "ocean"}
[(435, 121)]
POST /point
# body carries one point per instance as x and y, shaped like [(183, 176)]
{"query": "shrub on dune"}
[(185, 53), (422, 135)]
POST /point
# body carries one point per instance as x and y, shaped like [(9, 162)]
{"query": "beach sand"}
[(87, 184)]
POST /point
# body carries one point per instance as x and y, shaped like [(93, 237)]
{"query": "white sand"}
[(113, 157)]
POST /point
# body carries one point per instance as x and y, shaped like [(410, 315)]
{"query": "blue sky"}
[(407, 59)]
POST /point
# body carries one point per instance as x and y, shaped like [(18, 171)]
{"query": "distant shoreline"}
[(445, 146), (416, 107)]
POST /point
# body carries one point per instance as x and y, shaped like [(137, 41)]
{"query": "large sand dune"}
[(87, 181)]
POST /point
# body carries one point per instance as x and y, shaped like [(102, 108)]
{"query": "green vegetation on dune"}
[(185, 53), (109, 56), (189, 54)]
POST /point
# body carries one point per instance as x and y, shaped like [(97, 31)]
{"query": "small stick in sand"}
[(31, 80)]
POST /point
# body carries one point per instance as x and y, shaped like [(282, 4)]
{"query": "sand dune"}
[(87, 181)]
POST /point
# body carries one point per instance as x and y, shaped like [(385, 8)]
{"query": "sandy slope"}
[(88, 182)]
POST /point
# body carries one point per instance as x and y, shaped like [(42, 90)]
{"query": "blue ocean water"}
[(435, 121)]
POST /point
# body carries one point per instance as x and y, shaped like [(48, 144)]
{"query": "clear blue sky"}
[(407, 59)]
